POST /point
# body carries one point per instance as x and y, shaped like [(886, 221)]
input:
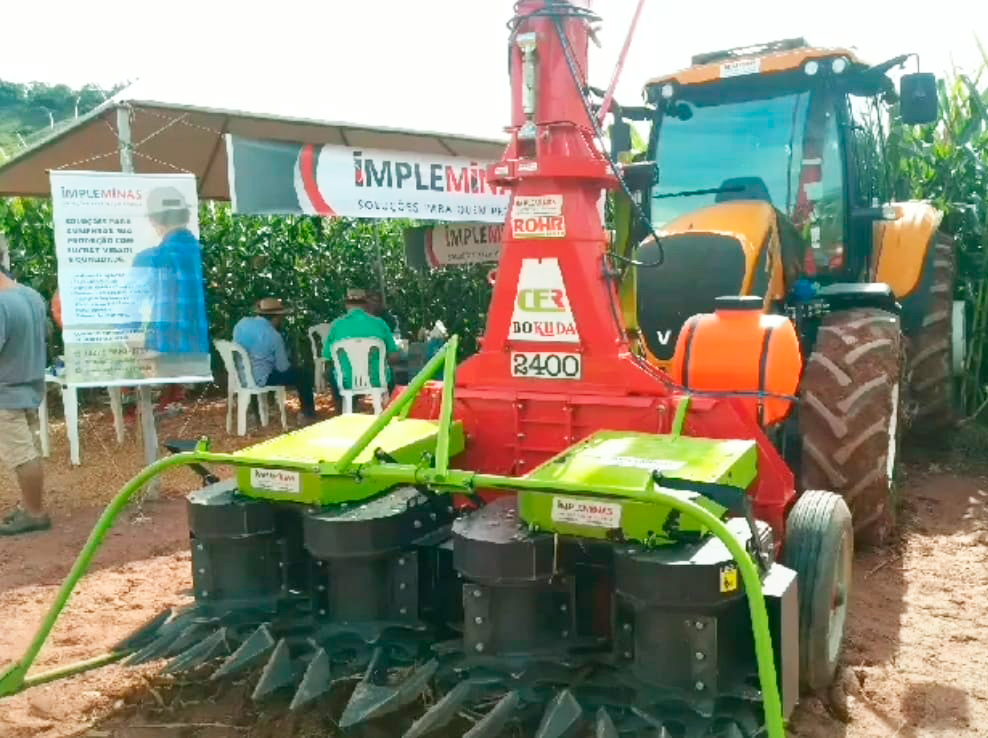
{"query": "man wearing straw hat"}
[(260, 337)]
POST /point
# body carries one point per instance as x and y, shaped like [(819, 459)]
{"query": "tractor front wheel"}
[(819, 547), (849, 415)]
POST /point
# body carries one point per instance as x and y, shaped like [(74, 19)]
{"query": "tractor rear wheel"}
[(819, 547), (849, 416), (930, 352)]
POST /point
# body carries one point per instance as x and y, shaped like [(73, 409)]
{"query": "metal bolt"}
[(321, 588), (432, 515), (700, 686), (417, 524), (627, 654), (627, 627), (402, 585), (401, 561), (205, 593), (202, 571), (320, 563), (477, 593), (403, 611), (565, 634), (699, 656), (563, 608), (478, 620), (322, 612), (479, 648), (521, 436), (699, 625), (199, 547)]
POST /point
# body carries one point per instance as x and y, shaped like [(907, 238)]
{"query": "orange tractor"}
[(761, 190)]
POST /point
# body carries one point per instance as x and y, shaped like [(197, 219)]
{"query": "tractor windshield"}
[(750, 148)]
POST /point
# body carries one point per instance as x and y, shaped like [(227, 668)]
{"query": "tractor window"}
[(747, 149), (785, 150)]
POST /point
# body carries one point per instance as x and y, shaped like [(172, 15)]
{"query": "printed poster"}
[(453, 244), (281, 178), (130, 278)]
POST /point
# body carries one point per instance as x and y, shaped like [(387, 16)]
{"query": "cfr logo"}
[(541, 300)]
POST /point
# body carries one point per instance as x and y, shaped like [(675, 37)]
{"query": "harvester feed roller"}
[(487, 611)]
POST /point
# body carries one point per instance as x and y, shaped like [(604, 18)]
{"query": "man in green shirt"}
[(358, 323)]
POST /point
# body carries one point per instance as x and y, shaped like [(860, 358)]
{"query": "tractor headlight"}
[(811, 67), (667, 91), (838, 65)]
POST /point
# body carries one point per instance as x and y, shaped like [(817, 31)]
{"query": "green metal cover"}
[(620, 465), (404, 440)]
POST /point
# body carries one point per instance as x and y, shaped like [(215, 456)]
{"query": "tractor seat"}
[(743, 188)]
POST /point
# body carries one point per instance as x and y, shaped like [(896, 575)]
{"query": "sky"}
[(427, 64)]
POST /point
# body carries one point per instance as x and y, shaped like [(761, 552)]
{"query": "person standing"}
[(260, 336), (23, 325)]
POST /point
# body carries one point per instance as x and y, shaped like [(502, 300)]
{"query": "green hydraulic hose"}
[(14, 679)]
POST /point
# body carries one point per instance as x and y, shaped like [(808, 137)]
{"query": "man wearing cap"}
[(260, 337), (358, 323), (169, 291), (22, 385)]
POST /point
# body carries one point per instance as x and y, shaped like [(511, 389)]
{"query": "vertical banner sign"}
[(130, 278), (280, 178)]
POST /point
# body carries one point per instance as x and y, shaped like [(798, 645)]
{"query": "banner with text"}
[(455, 244), (130, 278), (279, 178)]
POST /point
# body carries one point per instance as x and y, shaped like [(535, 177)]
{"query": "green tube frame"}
[(440, 477)]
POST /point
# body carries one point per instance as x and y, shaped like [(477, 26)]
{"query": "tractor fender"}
[(904, 258)]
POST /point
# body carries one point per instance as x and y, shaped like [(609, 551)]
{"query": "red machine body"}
[(555, 363)]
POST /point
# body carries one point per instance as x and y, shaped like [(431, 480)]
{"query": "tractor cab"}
[(757, 151)]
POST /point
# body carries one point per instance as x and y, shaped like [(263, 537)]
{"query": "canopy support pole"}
[(145, 407)]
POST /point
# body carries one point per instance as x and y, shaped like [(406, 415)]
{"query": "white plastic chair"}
[(241, 386), (317, 338), (358, 355)]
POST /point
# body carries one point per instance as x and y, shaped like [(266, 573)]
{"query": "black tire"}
[(849, 417), (930, 350), (819, 547)]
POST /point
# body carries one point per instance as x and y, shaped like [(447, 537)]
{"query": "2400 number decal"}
[(546, 365)]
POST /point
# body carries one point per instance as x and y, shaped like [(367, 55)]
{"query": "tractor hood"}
[(718, 250)]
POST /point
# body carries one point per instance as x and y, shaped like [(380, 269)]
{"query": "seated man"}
[(375, 306), (259, 336), (358, 323)]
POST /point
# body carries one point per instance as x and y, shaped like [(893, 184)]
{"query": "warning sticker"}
[(533, 206), (728, 577), (275, 480), (586, 512), (542, 310), (538, 226)]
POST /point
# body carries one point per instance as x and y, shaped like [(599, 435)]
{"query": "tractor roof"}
[(776, 56)]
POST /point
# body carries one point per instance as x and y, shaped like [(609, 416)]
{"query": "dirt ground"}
[(917, 651)]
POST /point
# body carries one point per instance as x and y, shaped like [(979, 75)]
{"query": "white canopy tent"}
[(180, 128)]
